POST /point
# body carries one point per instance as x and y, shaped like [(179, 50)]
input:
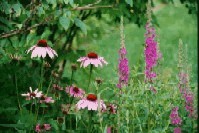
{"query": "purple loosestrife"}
[(123, 68), (175, 120), (184, 82), (151, 51)]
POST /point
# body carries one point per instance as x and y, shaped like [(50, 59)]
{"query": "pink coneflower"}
[(42, 128), (93, 59), (45, 99), (91, 103), (41, 49), (32, 95), (75, 91)]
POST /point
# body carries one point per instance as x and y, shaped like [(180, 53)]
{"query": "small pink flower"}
[(45, 99), (92, 58), (41, 49), (177, 130), (42, 128), (57, 87), (32, 95), (175, 119), (75, 91), (108, 130), (91, 103), (112, 108)]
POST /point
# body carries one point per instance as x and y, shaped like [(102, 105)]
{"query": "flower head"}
[(93, 59), (123, 68), (45, 99), (177, 130), (57, 87), (42, 128), (75, 91), (112, 108), (175, 119), (32, 94), (91, 102), (41, 49)]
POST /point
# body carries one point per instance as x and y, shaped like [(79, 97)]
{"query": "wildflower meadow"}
[(98, 66)]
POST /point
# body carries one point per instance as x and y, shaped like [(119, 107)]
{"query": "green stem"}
[(70, 115), (16, 86), (91, 68), (71, 79), (41, 74)]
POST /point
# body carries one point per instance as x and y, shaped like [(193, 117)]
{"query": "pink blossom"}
[(75, 91), (175, 119), (92, 58), (57, 87), (42, 128), (108, 130), (91, 103), (177, 130), (123, 68), (32, 95), (151, 52), (45, 99), (112, 108), (41, 49)]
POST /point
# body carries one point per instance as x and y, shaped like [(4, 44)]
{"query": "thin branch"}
[(90, 8), (18, 31)]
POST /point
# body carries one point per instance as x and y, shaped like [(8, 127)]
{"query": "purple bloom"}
[(75, 91), (123, 68), (177, 130), (151, 52), (186, 93), (175, 119)]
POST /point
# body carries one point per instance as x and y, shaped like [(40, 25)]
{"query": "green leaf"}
[(130, 2), (81, 25), (17, 9), (66, 1), (65, 22), (12, 125), (53, 2), (40, 11), (71, 2)]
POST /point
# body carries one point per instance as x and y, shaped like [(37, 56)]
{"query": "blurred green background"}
[(173, 23)]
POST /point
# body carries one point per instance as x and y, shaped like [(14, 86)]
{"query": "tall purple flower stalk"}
[(151, 51), (183, 85), (123, 68), (175, 120)]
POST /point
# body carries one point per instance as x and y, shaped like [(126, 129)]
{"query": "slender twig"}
[(16, 86), (91, 8), (19, 31)]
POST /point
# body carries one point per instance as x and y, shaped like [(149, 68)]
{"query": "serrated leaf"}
[(65, 22), (130, 2), (81, 25)]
